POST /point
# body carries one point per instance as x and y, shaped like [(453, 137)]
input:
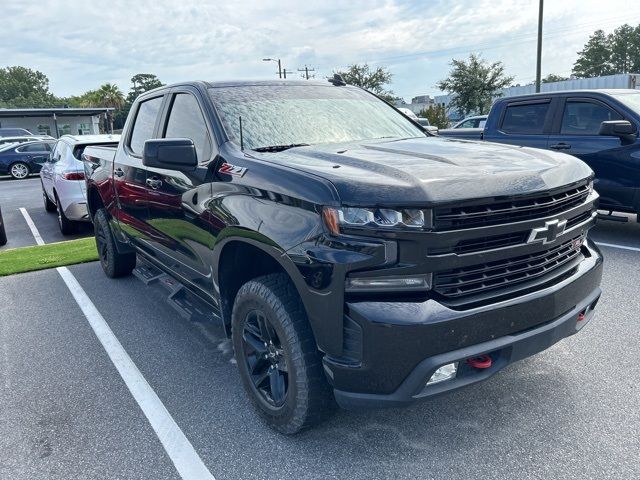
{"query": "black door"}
[(177, 200), (130, 176)]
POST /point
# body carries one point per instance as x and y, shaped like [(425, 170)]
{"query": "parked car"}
[(3, 232), (426, 124), (599, 127), (23, 139), (477, 121), (13, 132), (20, 160), (62, 177), (350, 255)]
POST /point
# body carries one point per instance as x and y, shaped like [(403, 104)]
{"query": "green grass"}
[(40, 257)]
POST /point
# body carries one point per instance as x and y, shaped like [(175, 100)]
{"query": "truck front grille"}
[(526, 208), (503, 273)]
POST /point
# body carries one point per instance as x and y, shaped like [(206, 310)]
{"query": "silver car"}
[(62, 176)]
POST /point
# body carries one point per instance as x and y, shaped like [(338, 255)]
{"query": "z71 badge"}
[(232, 169)]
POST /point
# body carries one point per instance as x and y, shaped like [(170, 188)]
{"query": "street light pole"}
[(539, 55), (279, 65)]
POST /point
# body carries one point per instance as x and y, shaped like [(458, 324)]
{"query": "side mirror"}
[(617, 128), (170, 154)]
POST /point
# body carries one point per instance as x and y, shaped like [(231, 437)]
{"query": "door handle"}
[(118, 172), (154, 182), (560, 146)]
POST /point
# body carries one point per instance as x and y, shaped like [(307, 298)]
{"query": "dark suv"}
[(348, 253)]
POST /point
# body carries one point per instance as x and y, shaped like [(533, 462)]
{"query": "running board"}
[(188, 305)]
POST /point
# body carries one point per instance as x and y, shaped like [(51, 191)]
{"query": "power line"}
[(306, 71)]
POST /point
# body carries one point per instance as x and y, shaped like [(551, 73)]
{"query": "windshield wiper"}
[(279, 148)]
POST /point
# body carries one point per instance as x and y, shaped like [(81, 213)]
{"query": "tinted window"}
[(525, 118), (144, 124), (186, 121), (34, 147), (584, 118), (467, 124)]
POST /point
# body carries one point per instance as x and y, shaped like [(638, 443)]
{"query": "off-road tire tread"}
[(314, 397), (118, 264)]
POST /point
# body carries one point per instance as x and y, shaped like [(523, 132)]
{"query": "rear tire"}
[(67, 227), (3, 233), (49, 206), (114, 263), (279, 363)]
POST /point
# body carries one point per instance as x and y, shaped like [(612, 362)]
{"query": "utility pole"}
[(284, 71), (539, 56), (306, 71), (279, 65)]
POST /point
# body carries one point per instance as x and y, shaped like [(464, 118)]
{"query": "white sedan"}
[(62, 176)]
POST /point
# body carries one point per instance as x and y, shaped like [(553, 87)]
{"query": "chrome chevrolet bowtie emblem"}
[(551, 230)]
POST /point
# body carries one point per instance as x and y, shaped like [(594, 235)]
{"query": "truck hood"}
[(420, 171)]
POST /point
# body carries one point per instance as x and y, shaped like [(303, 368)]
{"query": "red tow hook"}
[(481, 361), (581, 317)]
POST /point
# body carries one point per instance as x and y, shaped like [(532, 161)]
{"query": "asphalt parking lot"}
[(65, 411)]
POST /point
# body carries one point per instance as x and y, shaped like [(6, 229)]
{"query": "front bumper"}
[(403, 343)]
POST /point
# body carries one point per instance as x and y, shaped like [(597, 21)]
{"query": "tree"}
[(594, 59), (621, 42), (109, 95), (142, 82), (552, 77), (437, 116), (21, 87), (373, 80), (473, 84)]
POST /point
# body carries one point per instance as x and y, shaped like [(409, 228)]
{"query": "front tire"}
[(114, 263), (279, 363), (19, 170)]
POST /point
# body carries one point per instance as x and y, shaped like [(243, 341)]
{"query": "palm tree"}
[(109, 95)]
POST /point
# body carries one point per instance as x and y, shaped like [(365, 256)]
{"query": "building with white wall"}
[(54, 121)]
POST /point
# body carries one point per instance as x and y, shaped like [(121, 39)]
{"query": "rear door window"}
[(582, 117), (187, 121), (525, 118), (34, 148), (144, 124)]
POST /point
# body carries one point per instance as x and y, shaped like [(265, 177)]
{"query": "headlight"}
[(334, 218), (590, 187)]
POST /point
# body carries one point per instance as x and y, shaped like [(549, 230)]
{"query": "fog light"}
[(445, 372)]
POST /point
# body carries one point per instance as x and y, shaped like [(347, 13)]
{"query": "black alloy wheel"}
[(265, 358)]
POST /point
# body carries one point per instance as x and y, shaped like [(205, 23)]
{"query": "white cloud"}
[(81, 45)]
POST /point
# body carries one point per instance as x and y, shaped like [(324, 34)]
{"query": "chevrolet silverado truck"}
[(352, 257), (600, 127)]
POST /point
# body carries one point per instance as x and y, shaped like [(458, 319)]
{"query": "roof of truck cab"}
[(243, 83), (611, 91)]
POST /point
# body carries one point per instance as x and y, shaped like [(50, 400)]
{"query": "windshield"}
[(274, 115), (631, 100)]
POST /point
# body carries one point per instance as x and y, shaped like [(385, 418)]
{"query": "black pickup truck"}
[(350, 255)]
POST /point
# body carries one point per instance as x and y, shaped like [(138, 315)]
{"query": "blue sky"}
[(82, 45)]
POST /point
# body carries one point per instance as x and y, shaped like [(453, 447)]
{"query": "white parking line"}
[(621, 247), (180, 451), (32, 226), (184, 457)]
